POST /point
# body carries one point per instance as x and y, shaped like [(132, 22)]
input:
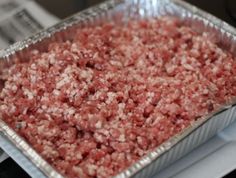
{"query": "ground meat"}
[(96, 104)]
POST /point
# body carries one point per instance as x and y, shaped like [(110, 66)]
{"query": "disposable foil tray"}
[(121, 11)]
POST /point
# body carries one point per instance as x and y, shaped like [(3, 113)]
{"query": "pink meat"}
[(95, 105)]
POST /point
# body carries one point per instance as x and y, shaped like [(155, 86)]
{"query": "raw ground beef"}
[(96, 104)]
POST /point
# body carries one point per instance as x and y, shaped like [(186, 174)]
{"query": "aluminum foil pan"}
[(120, 11)]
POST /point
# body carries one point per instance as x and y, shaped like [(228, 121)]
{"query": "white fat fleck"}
[(79, 156), (121, 106), (70, 111), (196, 52), (150, 96), (90, 116), (92, 169), (3, 107), (205, 56), (35, 51), (106, 133), (56, 92), (141, 63), (98, 125), (170, 68), (55, 110), (109, 75), (205, 91), (52, 58), (183, 60), (78, 170), (29, 94), (97, 94), (139, 139), (99, 106), (40, 111), (44, 98), (12, 109), (74, 47), (121, 114), (33, 66), (33, 78), (16, 77), (215, 69), (42, 62), (41, 129), (62, 82), (136, 39), (183, 46), (122, 138), (44, 107), (14, 88), (98, 137), (116, 63), (95, 55), (25, 110), (188, 67), (86, 74), (102, 80), (77, 116), (228, 66), (110, 96)]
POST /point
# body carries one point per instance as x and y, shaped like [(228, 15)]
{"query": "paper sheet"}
[(21, 18)]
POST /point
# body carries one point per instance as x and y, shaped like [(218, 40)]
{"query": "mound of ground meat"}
[(96, 104)]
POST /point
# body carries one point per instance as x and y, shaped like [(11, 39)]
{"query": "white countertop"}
[(214, 159)]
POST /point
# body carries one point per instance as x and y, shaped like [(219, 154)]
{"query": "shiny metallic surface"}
[(120, 11)]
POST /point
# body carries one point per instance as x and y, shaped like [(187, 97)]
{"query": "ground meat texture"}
[(96, 104)]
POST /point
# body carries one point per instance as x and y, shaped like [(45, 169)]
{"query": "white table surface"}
[(214, 159)]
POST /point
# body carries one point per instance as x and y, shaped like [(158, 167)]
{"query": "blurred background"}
[(65, 8), (224, 9)]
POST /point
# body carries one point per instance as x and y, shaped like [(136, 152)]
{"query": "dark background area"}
[(224, 9), (65, 8)]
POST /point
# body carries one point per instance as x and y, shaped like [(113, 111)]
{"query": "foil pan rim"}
[(212, 20), (84, 15)]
